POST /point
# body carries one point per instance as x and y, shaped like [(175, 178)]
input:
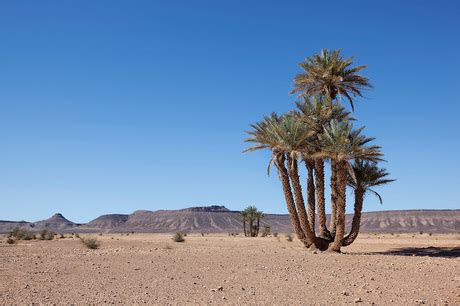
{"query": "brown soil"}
[(151, 268)]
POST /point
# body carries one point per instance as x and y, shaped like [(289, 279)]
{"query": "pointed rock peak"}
[(58, 215)]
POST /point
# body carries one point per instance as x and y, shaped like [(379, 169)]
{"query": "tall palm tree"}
[(366, 175), (264, 137), (317, 112), (287, 137), (331, 75), (342, 144)]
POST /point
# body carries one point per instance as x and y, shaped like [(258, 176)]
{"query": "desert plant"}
[(275, 235), (289, 237), (10, 240), (178, 237), (319, 131), (21, 234), (90, 242), (46, 235), (252, 216), (77, 235), (62, 236), (266, 230)]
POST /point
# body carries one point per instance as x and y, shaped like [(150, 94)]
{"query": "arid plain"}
[(216, 269)]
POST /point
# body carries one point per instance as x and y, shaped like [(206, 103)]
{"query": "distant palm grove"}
[(319, 133)]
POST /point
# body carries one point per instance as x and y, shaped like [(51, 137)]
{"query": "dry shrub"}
[(289, 237), (46, 235), (90, 243), (178, 237), (21, 234)]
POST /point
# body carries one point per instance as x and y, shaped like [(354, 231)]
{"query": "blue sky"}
[(114, 106)]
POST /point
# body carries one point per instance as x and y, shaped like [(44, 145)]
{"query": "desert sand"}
[(218, 269)]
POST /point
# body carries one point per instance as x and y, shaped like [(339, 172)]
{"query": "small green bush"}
[(90, 243), (266, 230), (178, 237)]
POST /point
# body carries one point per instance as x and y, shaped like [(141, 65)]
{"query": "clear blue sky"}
[(114, 106)]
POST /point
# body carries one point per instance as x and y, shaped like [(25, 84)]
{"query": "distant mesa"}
[(217, 218), (212, 208)]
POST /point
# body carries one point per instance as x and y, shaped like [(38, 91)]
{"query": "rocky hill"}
[(220, 219)]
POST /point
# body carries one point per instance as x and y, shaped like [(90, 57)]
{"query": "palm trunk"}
[(284, 178), (310, 164), (258, 226), (355, 224), (251, 228), (299, 201), (300, 204), (342, 173), (320, 200), (332, 222), (244, 228)]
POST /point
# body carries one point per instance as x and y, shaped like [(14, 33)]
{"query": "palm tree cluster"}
[(251, 217), (319, 132)]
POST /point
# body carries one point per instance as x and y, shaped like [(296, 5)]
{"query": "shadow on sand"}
[(442, 252)]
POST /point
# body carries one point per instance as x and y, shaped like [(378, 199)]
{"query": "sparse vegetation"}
[(10, 240), (289, 237), (266, 230), (46, 235), (90, 242), (21, 234), (178, 237), (62, 236)]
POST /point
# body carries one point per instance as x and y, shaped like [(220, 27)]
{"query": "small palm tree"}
[(365, 176), (244, 219), (331, 75), (251, 215)]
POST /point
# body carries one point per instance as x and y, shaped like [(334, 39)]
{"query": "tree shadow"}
[(442, 252)]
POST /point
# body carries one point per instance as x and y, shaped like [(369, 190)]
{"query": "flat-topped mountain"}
[(220, 219)]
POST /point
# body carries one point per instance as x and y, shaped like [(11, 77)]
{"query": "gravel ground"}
[(218, 269)]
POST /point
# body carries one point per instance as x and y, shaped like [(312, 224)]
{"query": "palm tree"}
[(317, 112), (342, 144), (259, 215), (288, 138), (366, 175), (331, 75), (244, 218), (252, 215)]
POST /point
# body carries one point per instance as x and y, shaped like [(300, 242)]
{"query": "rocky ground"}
[(218, 269)]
